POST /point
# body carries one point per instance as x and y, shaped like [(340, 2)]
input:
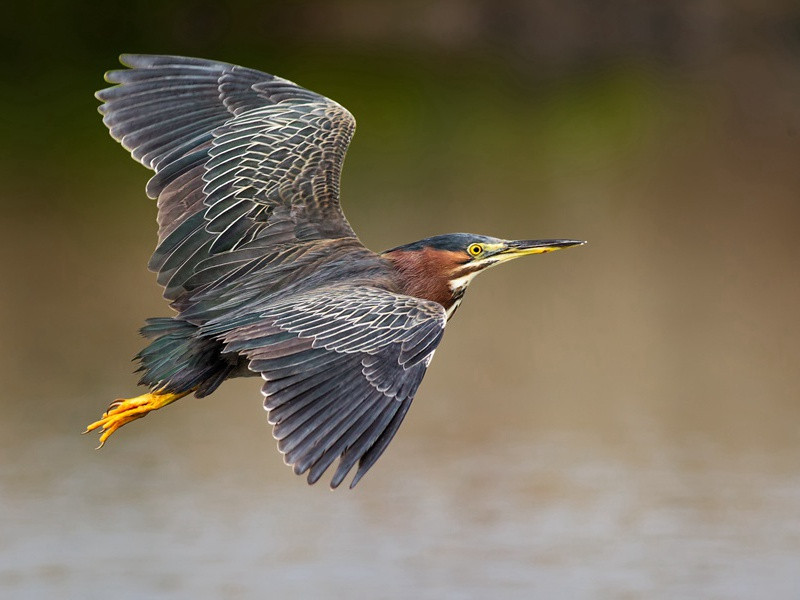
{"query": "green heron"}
[(265, 273)]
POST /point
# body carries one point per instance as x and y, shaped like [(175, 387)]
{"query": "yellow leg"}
[(124, 410)]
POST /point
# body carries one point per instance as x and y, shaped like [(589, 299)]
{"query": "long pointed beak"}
[(524, 247)]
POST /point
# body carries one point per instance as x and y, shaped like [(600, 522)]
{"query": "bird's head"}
[(455, 259)]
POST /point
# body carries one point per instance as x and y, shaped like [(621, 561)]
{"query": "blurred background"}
[(620, 420)]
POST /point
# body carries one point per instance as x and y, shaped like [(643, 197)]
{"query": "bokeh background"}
[(620, 420)]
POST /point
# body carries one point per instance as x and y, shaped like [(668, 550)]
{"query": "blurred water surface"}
[(620, 420)]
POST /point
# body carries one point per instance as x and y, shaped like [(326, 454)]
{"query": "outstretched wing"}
[(341, 366), (241, 157)]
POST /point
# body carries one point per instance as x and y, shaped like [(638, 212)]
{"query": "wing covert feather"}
[(339, 375), (256, 158)]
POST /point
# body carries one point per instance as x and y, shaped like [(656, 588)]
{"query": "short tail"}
[(179, 360)]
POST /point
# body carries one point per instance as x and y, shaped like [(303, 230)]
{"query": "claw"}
[(124, 410)]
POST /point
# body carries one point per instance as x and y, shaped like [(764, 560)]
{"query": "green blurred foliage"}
[(509, 89)]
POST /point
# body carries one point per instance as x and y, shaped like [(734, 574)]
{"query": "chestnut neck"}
[(426, 274)]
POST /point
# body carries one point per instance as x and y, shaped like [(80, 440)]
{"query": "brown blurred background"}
[(620, 420)]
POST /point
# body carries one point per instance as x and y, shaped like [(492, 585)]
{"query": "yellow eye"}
[(475, 249)]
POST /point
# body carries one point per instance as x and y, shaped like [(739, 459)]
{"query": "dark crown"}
[(454, 242)]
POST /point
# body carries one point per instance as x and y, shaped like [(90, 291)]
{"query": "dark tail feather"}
[(179, 360)]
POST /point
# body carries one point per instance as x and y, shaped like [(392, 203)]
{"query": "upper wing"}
[(239, 156), (341, 366)]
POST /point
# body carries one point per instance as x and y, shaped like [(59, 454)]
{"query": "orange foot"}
[(124, 410)]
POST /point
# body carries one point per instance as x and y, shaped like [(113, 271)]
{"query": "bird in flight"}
[(265, 274)]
